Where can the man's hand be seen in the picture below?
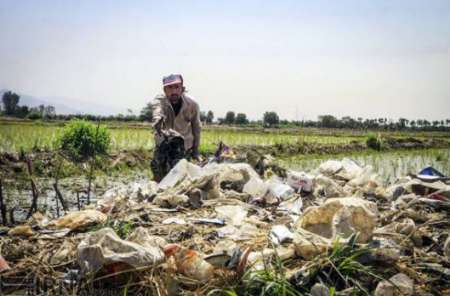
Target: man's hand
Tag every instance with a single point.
(195, 154)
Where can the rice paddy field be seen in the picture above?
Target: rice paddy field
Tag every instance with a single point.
(15, 136)
(388, 165)
(26, 136)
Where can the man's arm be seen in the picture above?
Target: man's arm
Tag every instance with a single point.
(196, 129)
(158, 116)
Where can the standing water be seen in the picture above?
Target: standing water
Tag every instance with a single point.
(389, 165)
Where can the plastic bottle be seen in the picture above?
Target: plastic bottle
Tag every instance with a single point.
(189, 262)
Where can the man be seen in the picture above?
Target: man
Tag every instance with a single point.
(174, 114)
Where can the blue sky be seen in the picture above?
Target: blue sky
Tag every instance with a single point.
(299, 58)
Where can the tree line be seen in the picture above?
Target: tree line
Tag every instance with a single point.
(271, 119)
(10, 107)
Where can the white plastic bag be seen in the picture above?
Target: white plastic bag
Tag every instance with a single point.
(104, 247)
(280, 190)
(350, 169)
(300, 181)
(256, 187)
(178, 173)
(233, 215)
(330, 167)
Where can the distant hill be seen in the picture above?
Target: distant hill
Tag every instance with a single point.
(63, 105)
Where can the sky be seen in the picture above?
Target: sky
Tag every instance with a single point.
(299, 58)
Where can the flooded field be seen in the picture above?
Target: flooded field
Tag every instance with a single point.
(18, 195)
(389, 165)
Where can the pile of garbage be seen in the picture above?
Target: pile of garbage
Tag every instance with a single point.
(226, 227)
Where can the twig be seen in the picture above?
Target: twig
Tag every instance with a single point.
(57, 207)
(415, 230)
(78, 201)
(55, 186)
(2, 205)
(92, 163)
(59, 196)
(34, 191)
(12, 221)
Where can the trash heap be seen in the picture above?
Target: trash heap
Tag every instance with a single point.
(224, 227)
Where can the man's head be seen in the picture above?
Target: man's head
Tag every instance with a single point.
(173, 87)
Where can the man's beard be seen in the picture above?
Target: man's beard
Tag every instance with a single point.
(175, 98)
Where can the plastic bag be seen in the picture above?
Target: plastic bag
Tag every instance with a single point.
(300, 181)
(178, 173)
(79, 220)
(104, 247)
(280, 190)
(256, 187)
(233, 215)
(341, 217)
(330, 167)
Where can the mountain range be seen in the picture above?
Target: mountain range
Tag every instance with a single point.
(64, 105)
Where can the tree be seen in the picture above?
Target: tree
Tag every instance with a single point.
(147, 113)
(230, 118)
(202, 116)
(348, 122)
(34, 113)
(419, 122)
(328, 121)
(10, 102)
(22, 111)
(49, 112)
(270, 118)
(41, 109)
(209, 117)
(402, 122)
(241, 118)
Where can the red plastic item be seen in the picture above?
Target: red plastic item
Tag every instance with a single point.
(189, 262)
(3, 264)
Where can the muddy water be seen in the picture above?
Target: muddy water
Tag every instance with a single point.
(389, 165)
(74, 190)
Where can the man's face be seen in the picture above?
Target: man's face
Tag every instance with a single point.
(173, 92)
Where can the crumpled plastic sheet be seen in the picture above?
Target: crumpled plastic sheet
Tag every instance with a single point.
(105, 247)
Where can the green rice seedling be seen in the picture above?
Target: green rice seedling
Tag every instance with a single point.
(82, 142)
(269, 281)
(340, 268)
(43, 136)
(374, 142)
(121, 228)
(389, 165)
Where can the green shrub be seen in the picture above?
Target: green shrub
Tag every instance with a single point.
(374, 142)
(82, 140)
